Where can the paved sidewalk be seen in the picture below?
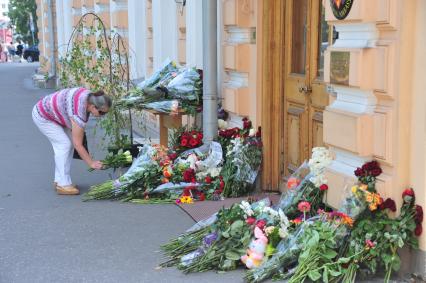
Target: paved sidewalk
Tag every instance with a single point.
(49, 238)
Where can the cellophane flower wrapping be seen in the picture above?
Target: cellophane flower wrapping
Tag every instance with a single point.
(165, 106)
(186, 85)
(167, 67)
(213, 151)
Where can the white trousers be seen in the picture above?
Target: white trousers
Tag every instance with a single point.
(60, 138)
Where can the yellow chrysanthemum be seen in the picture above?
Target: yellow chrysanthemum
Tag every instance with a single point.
(354, 189)
(363, 187)
(186, 199)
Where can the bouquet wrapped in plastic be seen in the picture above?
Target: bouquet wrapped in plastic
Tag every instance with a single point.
(168, 67)
(186, 85)
(166, 106)
(116, 189)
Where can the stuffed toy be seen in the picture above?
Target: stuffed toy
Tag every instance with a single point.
(256, 251)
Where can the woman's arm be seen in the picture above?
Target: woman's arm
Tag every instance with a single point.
(77, 140)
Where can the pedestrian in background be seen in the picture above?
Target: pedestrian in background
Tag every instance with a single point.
(62, 117)
(19, 49)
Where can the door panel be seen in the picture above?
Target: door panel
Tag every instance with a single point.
(306, 38)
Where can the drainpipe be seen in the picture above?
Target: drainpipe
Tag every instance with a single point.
(52, 73)
(210, 125)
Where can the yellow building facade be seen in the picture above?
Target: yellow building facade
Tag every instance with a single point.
(351, 79)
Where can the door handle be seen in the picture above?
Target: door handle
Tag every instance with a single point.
(305, 89)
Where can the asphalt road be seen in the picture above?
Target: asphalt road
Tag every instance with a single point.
(45, 237)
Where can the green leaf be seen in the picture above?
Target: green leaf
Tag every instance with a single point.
(330, 254)
(325, 275)
(231, 255)
(314, 275)
(343, 260)
(334, 273)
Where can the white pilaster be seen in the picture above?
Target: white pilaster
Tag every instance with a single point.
(194, 33)
(137, 34)
(165, 31)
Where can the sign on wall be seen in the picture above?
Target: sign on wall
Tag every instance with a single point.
(341, 8)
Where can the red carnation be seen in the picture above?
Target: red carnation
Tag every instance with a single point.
(419, 214)
(388, 204)
(261, 223)
(184, 141)
(250, 220)
(208, 179)
(323, 187)
(193, 142)
(419, 230)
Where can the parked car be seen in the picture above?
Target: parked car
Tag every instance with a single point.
(31, 53)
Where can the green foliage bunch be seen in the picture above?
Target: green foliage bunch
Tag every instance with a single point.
(94, 60)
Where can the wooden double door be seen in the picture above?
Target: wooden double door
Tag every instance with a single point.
(306, 38)
(295, 36)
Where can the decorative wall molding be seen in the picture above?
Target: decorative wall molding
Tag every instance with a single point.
(101, 8)
(354, 100)
(356, 35)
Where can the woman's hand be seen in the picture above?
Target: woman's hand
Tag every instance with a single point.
(96, 165)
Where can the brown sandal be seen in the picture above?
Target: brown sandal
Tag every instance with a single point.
(67, 190)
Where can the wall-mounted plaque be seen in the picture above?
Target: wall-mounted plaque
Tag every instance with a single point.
(339, 67)
(341, 8)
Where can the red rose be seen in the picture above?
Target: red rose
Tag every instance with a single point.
(388, 204)
(359, 172)
(188, 175)
(419, 230)
(184, 141)
(408, 195)
(259, 132)
(246, 124)
(208, 179)
(172, 156)
(250, 220)
(261, 224)
(186, 192)
(376, 172)
(323, 187)
(201, 197)
(419, 214)
(193, 142)
(221, 184)
(200, 136)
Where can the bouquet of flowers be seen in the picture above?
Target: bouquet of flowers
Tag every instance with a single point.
(166, 106)
(184, 139)
(145, 167)
(376, 238)
(242, 160)
(307, 183)
(187, 85)
(121, 159)
(221, 244)
(167, 68)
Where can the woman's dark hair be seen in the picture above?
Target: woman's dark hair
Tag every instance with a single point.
(99, 99)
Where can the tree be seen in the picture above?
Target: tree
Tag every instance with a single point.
(20, 12)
